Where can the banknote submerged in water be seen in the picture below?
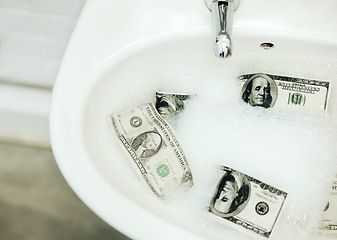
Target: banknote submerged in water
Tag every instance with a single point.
(329, 219)
(169, 105)
(246, 203)
(286, 93)
(153, 148)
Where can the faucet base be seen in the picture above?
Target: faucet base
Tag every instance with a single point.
(210, 2)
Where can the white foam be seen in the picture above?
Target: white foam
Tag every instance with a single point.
(294, 152)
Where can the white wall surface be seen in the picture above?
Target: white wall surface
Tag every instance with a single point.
(33, 37)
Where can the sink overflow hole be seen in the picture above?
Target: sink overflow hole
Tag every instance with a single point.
(267, 45)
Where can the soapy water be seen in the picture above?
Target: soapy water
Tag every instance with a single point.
(293, 151)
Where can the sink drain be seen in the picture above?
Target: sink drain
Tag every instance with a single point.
(267, 45)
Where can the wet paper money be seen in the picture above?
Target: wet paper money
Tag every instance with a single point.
(153, 148)
(286, 93)
(329, 218)
(169, 105)
(245, 203)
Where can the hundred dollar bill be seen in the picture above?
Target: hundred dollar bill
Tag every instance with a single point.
(170, 104)
(266, 90)
(246, 203)
(329, 218)
(153, 148)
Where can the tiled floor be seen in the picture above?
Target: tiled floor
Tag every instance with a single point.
(37, 204)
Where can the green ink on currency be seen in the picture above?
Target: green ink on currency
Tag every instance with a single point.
(297, 98)
(163, 170)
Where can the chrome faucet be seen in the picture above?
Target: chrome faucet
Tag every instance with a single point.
(222, 11)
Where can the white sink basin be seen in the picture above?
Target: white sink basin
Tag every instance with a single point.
(122, 52)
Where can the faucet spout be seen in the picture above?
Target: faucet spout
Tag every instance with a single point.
(223, 45)
(222, 11)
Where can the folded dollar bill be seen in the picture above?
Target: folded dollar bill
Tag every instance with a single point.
(170, 104)
(153, 148)
(266, 90)
(329, 218)
(246, 203)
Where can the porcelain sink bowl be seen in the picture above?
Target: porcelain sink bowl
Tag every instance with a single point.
(118, 47)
